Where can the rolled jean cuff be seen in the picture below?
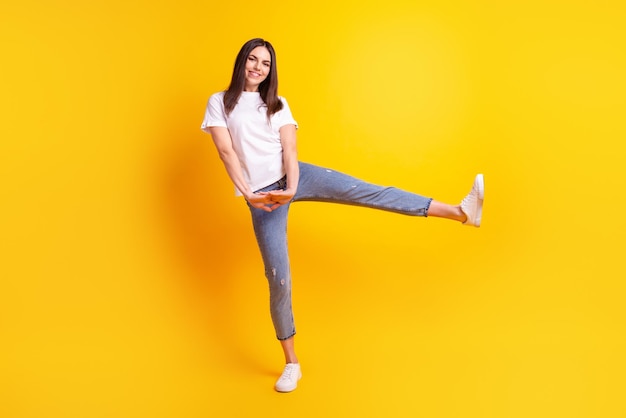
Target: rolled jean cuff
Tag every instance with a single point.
(286, 338)
(430, 200)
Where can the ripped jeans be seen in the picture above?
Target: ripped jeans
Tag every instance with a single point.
(321, 185)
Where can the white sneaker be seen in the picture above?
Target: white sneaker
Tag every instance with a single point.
(288, 381)
(472, 204)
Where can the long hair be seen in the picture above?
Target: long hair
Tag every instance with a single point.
(268, 88)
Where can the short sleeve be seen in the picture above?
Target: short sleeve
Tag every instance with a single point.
(214, 115)
(284, 115)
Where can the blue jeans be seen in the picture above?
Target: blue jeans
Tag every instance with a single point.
(321, 185)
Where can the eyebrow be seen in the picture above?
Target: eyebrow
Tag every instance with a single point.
(267, 61)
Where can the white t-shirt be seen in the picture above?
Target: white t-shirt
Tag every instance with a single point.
(256, 142)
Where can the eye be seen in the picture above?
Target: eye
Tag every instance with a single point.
(267, 64)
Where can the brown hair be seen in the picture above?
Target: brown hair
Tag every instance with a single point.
(268, 88)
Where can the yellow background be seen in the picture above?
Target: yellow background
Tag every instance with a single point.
(131, 285)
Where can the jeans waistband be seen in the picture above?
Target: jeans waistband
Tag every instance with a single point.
(280, 184)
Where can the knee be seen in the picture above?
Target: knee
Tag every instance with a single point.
(279, 281)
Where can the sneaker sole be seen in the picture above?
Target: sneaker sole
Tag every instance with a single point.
(479, 183)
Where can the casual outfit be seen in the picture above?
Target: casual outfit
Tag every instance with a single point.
(257, 144)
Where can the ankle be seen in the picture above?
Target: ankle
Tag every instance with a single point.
(460, 215)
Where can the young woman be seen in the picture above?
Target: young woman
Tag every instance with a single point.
(255, 135)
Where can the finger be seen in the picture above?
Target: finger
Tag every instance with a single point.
(262, 206)
(277, 193)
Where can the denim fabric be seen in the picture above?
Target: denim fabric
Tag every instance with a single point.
(322, 185)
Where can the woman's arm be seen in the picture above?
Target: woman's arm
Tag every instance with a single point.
(224, 144)
(290, 161)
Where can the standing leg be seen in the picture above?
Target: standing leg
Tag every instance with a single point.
(270, 229)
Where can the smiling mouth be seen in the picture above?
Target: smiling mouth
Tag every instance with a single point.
(254, 74)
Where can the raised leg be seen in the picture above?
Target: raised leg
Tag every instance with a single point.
(326, 185)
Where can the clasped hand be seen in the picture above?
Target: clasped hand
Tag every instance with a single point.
(269, 201)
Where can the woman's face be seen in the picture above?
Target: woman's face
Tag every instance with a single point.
(258, 66)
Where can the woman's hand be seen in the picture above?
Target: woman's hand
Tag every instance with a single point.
(268, 201)
(281, 197)
(260, 200)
